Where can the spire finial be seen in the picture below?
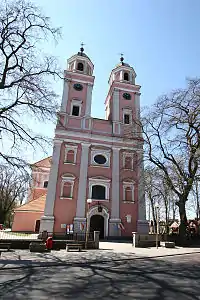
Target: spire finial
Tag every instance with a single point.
(82, 49)
(122, 57)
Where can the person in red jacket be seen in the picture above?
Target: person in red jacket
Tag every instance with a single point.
(49, 243)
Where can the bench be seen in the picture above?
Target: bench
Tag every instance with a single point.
(74, 247)
(4, 246)
(169, 245)
(148, 243)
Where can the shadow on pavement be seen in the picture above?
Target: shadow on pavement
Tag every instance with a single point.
(175, 277)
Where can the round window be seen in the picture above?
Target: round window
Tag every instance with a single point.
(100, 159)
(78, 87)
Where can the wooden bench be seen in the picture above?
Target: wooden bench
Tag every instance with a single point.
(74, 247)
(169, 245)
(4, 246)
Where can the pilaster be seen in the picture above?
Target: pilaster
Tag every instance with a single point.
(47, 221)
(80, 210)
(115, 184)
(65, 96)
(88, 100)
(115, 105)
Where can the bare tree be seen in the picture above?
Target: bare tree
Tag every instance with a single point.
(27, 77)
(13, 189)
(152, 194)
(171, 130)
(157, 191)
(195, 203)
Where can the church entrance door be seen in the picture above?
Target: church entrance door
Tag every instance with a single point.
(97, 224)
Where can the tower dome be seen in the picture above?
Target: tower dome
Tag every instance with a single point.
(80, 63)
(123, 72)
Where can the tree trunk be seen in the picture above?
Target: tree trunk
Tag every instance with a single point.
(197, 199)
(154, 217)
(183, 219)
(2, 217)
(166, 216)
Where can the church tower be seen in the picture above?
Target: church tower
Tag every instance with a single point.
(123, 100)
(78, 85)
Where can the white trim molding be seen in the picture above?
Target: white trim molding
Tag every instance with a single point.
(70, 148)
(115, 105)
(101, 139)
(99, 181)
(88, 100)
(67, 178)
(76, 102)
(47, 221)
(103, 152)
(65, 97)
(124, 156)
(128, 184)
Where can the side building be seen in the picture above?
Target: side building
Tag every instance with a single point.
(27, 216)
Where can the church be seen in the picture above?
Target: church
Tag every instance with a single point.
(96, 172)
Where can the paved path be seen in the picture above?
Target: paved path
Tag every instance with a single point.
(130, 274)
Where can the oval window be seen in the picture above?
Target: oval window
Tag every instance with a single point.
(100, 159)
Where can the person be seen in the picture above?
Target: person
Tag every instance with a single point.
(49, 243)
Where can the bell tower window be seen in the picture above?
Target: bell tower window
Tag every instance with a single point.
(126, 119)
(75, 110)
(126, 76)
(80, 66)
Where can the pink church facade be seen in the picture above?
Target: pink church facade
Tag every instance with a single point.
(97, 159)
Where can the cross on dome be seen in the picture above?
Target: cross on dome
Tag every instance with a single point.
(82, 49)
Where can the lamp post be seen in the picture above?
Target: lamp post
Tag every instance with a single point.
(157, 224)
(89, 201)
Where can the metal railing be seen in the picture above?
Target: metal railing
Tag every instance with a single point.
(9, 235)
(72, 236)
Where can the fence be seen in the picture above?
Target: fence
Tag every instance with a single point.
(9, 235)
(71, 236)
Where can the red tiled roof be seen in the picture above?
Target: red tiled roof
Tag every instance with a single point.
(46, 162)
(34, 205)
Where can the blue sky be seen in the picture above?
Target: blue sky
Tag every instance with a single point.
(159, 38)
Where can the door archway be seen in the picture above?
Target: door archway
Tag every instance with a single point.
(93, 211)
(97, 224)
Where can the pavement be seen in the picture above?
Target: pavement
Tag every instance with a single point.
(115, 271)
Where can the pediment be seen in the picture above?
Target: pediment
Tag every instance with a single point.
(129, 180)
(99, 177)
(67, 175)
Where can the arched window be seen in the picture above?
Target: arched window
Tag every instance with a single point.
(67, 190)
(98, 192)
(45, 184)
(126, 76)
(128, 162)
(80, 66)
(128, 194)
(70, 156)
